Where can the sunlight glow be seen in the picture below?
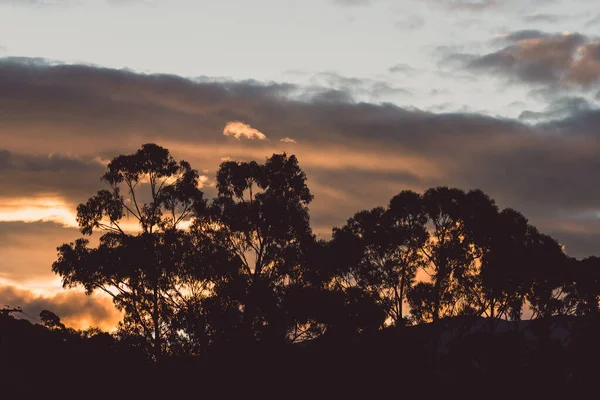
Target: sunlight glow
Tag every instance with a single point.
(43, 208)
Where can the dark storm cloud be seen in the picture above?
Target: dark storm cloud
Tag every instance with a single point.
(556, 59)
(356, 155)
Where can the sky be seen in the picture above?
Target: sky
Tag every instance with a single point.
(373, 97)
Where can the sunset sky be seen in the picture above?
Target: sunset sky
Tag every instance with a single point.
(373, 97)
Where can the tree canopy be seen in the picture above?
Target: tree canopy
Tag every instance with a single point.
(191, 273)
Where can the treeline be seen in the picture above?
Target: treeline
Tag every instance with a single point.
(192, 275)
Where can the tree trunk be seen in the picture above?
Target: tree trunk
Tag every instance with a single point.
(157, 349)
(401, 299)
(436, 299)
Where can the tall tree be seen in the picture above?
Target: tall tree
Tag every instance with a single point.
(505, 266)
(261, 216)
(385, 248)
(447, 249)
(140, 258)
(547, 275)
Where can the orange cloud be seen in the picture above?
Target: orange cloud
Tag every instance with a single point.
(42, 208)
(75, 308)
(239, 129)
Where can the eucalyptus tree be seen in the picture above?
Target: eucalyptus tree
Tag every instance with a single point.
(382, 248)
(141, 256)
(261, 216)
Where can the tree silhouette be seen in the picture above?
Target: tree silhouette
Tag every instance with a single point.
(51, 320)
(144, 272)
(582, 287)
(385, 247)
(239, 286)
(449, 253)
(505, 266)
(261, 216)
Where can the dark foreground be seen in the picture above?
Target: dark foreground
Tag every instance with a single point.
(543, 359)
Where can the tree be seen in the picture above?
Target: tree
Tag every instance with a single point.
(505, 266)
(547, 275)
(583, 286)
(142, 266)
(447, 250)
(51, 321)
(261, 216)
(384, 245)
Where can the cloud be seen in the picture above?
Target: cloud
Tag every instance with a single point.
(29, 248)
(354, 2)
(593, 22)
(535, 57)
(288, 140)
(55, 3)
(558, 109)
(239, 129)
(46, 180)
(402, 69)
(549, 18)
(42, 4)
(345, 89)
(411, 22)
(469, 5)
(33, 209)
(74, 308)
(356, 155)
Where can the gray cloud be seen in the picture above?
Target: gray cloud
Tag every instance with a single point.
(402, 69)
(358, 87)
(549, 18)
(558, 109)
(54, 173)
(541, 58)
(411, 22)
(356, 155)
(593, 22)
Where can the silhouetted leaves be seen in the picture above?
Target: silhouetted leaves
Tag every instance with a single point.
(242, 276)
